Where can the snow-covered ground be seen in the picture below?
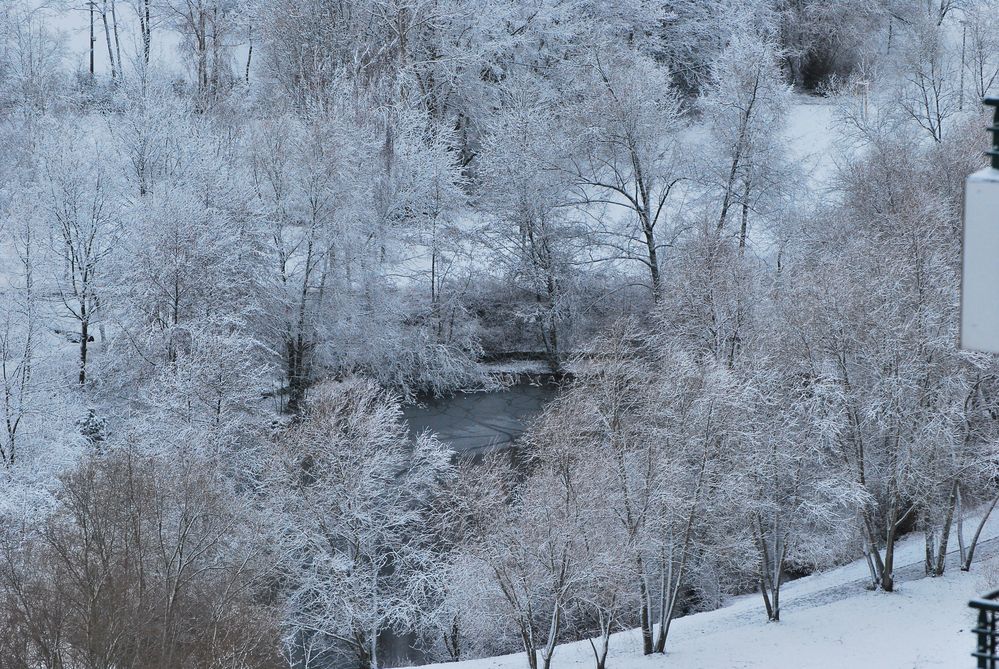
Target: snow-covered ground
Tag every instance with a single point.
(811, 137)
(829, 620)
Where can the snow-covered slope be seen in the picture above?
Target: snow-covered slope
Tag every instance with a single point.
(829, 620)
(811, 137)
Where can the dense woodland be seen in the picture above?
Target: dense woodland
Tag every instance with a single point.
(224, 270)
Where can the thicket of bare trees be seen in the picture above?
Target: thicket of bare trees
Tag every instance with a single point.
(143, 561)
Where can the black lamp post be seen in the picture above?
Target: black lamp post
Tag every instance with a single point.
(994, 129)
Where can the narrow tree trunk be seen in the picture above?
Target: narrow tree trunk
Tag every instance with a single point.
(452, 641)
(930, 551)
(765, 591)
(888, 569)
(216, 51)
(107, 38)
(93, 39)
(978, 533)
(549, 650)
(744, 226)
(676, 583)
(600, 656)
(776, 616)
(888, 576)
(249, 53)
(888, 566)
(650, 245)
(769, 580)
(727, 198)
(740, 146)
(362, 649)
(84, 335)
(780, 554)
(875, 552)
(645, 615)
(643, 207)
(147, 31)
(202, 43)
(945, 532)
(960, 528)
(870, 566)
(117, 41)
(527, 637)
(665, 586)
(551, 316)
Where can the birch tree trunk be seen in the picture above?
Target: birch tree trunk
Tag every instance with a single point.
(107, 39)
(605, 622)
(549, 650)
(117, 41)
(978, 533)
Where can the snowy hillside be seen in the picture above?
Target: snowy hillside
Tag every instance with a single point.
(829, 620)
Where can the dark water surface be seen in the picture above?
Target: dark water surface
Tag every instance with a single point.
(480, 421)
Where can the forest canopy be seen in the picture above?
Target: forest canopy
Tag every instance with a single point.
(239, 237)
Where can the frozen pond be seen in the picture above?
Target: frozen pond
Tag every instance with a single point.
(475, 422)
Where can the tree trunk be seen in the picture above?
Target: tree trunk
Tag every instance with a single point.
(202, 45)
(776, 615)
(978, 533)
(740, 146)
(870, 565)
(527, 638)
(549, 650)
(888, 569)
(147, 31)
(744, 225)
(93, 39)
(665, 586)
(888, 576)
(361, 648)
(960, 528)
(771, 570)
(645, 615)
(875, 553)
(780, 554)
(930, 550)
(673, 584)
(297, 377)
(117, 41)
(676, 583)
(452, 642)
(945, 532)
(249, 53)
(600, 656)
(84, 335)
(650, 245)
(107, 38)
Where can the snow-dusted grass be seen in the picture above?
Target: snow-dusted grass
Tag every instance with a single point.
(829, 620)
(925, 624)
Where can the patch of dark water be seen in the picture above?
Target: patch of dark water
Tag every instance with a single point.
(476, 422)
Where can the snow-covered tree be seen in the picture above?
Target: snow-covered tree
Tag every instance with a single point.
(531, 228)
(352, 491)
(85, 229)
(628, 159)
